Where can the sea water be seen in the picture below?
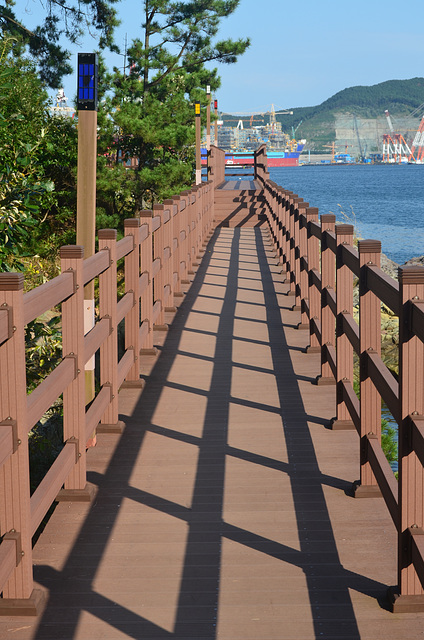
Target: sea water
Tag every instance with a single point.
(384, 201)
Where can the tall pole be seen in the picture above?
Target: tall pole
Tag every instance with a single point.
(86, 185)
(198, 152)
(208, 118)
(216, 121)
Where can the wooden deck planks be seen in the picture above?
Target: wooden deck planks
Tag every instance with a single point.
(221, 512)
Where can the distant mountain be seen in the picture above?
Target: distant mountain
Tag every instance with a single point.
(355, 109)
(399, 97)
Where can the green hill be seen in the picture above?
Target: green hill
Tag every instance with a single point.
(331, 120)
(399, 97)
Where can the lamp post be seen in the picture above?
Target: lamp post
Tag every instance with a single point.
(198, 152)
(215, 104)
(86, 184)
(208, 118)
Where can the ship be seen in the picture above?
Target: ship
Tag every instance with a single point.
(284, 158)
(240, 142)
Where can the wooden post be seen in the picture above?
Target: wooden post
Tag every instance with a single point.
(147, 347)
(370, 342)
(286, 232)
(303, 259)
(280, 226)
(109, 349)
(328, 284)
(86, 218)
(314, 296)
(191, 215)
(208, 117)
(291, 245)
(74, 396)
(344, 304)
(177, 248)
(15, 512)
(300, 206)
(132, 319)
(194, 225)
(185, 233)
(159, 278)
(272, 216)
(411, 476)
(169, 219)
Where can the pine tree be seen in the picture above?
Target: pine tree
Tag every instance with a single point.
(152, 102)
(64, 19)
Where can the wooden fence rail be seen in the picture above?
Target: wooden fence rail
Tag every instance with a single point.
(159, 249)
(321, 264)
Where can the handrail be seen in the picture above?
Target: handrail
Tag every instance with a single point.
(322, 265)
(47, 296)
(156, 255)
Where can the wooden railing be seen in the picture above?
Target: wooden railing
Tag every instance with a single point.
(321, 264)
(261, 164)
(218, 171)
(216, 165)
(160, 249)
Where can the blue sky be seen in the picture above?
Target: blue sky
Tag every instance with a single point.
(301, 53)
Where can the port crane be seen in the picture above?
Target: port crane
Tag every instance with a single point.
(331, 146)
(294, 129)
(361, 155)
(395, 147)
(417, 152)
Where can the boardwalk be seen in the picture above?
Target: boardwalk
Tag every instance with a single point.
(222, 512)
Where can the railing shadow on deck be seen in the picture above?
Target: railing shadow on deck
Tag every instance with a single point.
(207, 527)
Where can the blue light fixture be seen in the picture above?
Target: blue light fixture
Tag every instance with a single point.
(87, 81)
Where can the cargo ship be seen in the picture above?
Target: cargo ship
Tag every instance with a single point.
(240, 142)
(283, 158)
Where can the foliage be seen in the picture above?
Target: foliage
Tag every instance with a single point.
(37, 165)
(389, 441)
(64, 19)
(43, 348)
(149, 112)
(20, 186)
(44, 353)
(388, 433)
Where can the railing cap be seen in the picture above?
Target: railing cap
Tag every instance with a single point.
(312, 212)
(11, 281)
(131, 223)
(303, 205)
(328, 218)
(145, 213)
(369, 246)
(344, 229)
(411, 274)
(107, 234)
(71, 252)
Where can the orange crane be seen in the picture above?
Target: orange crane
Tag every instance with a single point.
(418, 145)
(332, 146)
(253, 119)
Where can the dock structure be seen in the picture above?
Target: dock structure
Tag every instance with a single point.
(229, 496)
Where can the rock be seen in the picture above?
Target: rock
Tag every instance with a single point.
(389, 266)
(416, 262)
